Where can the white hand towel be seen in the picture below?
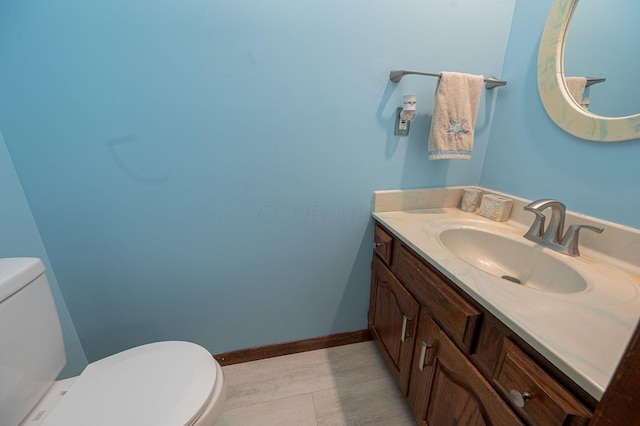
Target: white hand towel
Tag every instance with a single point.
(454, 116)
(576, 86)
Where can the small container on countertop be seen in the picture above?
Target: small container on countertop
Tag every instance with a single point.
(495, 207)
(470, 198)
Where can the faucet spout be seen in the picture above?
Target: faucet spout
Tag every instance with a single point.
(553, 232)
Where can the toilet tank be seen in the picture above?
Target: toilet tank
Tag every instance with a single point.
(31, 345)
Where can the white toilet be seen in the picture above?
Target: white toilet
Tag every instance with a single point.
(164, 383)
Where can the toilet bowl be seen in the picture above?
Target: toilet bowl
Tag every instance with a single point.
(163, 383)
(168, 383)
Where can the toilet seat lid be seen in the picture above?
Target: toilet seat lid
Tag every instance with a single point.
(163, 383)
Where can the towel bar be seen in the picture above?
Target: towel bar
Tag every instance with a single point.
(396, 75)
(594, 80)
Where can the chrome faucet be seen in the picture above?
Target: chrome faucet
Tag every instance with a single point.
(552, 237)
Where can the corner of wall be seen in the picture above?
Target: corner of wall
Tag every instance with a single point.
(19, 236)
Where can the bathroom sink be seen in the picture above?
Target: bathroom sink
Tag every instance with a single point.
(515, 262)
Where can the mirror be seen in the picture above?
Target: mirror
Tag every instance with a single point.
(555, 95)
(602, 42)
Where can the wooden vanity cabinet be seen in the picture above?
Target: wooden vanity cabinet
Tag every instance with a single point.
(455, 362)
(393, 318)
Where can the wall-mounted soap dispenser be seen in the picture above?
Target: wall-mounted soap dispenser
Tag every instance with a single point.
(404, 115)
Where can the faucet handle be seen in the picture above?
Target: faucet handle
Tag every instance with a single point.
(570, 239)
(537, 227)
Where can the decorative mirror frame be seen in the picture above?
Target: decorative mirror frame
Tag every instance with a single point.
(557, 101)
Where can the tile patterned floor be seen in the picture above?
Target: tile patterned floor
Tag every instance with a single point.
(345, 385)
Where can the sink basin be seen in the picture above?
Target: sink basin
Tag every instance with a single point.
(516, 262)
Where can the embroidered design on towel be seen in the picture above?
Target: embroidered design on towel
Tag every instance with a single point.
(457, 128)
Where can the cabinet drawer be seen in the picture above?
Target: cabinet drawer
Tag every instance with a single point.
(533, 393)
(383, 244)
(456, 316)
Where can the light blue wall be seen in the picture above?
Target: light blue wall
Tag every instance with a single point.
(204, 170)
(531, 157)
(19, 237)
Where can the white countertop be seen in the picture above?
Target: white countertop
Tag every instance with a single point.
(584, 334)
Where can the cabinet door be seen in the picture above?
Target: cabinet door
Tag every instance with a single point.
(393, 316)
(446, 389)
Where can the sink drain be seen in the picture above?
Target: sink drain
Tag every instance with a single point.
(512, 279)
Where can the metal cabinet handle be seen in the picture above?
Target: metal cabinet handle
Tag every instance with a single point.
(405, 320)
(519, 398)
(423, 355)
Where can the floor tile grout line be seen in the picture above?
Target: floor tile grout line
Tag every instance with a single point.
(315, 409)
